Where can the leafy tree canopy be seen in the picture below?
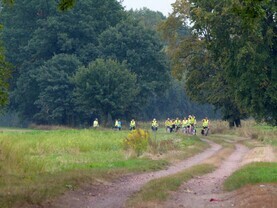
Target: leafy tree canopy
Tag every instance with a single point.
(105, 87)
(229, 59)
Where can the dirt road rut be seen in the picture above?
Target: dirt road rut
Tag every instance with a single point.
(114, 195)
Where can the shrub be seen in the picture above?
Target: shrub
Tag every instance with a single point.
(137, 140)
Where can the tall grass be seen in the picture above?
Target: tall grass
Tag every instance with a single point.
(40, 164)
(249, 129)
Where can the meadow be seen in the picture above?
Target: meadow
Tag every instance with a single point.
(38, 164)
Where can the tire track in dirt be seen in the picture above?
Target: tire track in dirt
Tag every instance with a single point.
(207, 191)
(114, 195)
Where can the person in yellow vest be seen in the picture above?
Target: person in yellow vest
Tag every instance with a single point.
(116, 124)
(119, 125)
(185, 125)
(193, 125)
(154, 125)
(167, 125)
(95, 123)
(205, 125)
(132, 125)
(177, 124)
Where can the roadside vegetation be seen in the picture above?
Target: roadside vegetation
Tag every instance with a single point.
(253, 135)
(262, 172)
(158, 190)
(39, 164)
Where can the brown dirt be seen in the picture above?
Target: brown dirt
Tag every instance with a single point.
(206, 191)
(115, 194)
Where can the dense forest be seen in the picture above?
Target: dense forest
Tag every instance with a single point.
(93, 60)
(71, 61)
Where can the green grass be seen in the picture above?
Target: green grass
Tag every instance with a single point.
(38, 164)
(158, 190)
(262, 172)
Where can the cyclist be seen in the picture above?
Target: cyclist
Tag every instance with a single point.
(185, 125)
(192, 124)
(119, 125)
(95, 123)
(177, 124)
(116, 124)
(167, 124)
(132, 125)
(154, 125)
(205, 125)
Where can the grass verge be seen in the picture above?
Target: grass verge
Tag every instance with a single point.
(158, 190)
(261, 172)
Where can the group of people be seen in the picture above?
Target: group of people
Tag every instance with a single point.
(117, 124)
(187, 125)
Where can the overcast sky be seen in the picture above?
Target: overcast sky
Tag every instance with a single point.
(163, 6)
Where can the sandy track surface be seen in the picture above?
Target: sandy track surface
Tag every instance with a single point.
(114, 195)
(206, 191)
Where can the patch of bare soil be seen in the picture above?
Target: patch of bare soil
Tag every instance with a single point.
(115, 194)
(260, 154)
(207, 190)
(256, 196)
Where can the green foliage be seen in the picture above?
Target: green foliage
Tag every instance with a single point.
(5, 71)
(147, 18)
(175, 103)
(63, 4)
(137, 140)
(55, 100)
(66, 4)
(142, 51)
(105, 87)
(38, 36)
(229, 58)
(252, 174)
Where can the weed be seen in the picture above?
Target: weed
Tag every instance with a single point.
(137, 140)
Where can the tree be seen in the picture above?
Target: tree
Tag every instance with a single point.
(105, 87)
(147, 18)
(55, 100)
(4, 76)
(35, 32)
(141, 48)
(232, 49)
(63, 4)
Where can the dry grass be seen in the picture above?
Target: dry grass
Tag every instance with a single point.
(249, 130)
(220, 156)
(219, 127)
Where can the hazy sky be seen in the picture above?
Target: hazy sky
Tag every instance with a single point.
(163, 6)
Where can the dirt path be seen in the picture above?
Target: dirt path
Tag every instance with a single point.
(115, 194)
(206, 191)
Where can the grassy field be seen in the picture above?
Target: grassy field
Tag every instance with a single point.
(251, 174)
(39, 164)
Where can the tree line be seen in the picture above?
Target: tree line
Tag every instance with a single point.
(94, 59)
(229, 57)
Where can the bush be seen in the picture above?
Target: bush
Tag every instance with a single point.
(137, 140)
